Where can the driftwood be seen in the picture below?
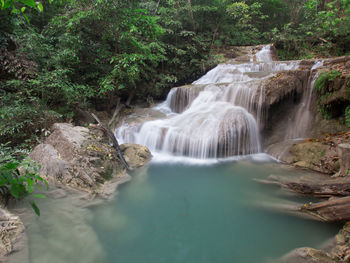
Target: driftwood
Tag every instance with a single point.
(336, 209)
(320, 188)
(110, 134)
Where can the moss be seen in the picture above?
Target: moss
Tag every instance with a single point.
(322, 84)
(347, 116)
(107, 174)
(325, 87)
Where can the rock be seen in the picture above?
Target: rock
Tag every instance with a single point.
(135, 155)
(284, 85)
(338, 251)
(312, 155)
(307, 255)
(52, 165)
(82, 158)
(12, 235)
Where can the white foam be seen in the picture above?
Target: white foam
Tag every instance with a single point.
(168, 158)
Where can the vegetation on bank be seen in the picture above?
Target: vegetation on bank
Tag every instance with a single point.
(57, 56)
(333, 92)
(19, 177)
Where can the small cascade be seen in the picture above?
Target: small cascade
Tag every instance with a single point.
(303, 118)
(216, 116)
(264, 55)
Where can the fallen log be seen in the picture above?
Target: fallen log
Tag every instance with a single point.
(320, 188)
(110, 134)
(335, 209)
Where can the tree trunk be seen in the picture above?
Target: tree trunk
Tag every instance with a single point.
(191, 14)
(113, 138)
(115, 118)
(344, 158)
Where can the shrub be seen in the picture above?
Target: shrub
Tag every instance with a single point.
(323, 81)
(23, 117)
(19, 178)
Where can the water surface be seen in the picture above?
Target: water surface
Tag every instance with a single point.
(175, 213)
(185, 213)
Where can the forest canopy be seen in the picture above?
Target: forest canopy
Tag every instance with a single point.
(60, 55)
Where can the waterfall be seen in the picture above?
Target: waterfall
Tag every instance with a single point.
(303, 118)
(216, 116)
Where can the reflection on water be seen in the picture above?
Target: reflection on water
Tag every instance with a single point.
(177, 213)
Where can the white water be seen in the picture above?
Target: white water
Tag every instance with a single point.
(218, 116)
(303, 118)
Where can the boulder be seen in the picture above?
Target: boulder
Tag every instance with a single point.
(135, 155)
(82, 158)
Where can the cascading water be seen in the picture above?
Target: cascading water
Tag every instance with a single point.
(303, 118)
(217, 116)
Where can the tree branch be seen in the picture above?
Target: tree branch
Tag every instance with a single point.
(110, 134)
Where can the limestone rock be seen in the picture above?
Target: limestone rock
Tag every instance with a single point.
(307, 255)
(12, 235)
(307, 154)
(135, 155)
(336, 252)
(78, 157)
(284, 85)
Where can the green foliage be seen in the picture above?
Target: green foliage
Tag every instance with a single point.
(322, 83)
(325, 111)
(19, 178)
(320, 29)
(22, 117)
(324, 87)
(20, 6)
(347, 116)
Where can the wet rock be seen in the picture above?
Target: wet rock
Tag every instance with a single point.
(337, 252)
(135, 155)
(12, 235)
(283, 86)
(307, 255)
(311, 155)
(78, 157)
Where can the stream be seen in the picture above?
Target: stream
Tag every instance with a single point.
(175, 212)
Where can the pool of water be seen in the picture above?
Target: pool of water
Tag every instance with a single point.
(175, 213)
